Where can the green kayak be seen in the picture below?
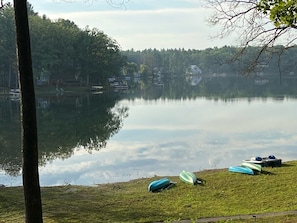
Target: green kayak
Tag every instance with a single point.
(254, 167)
(189, 178)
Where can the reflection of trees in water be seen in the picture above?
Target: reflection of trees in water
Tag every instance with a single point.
(88, 121)
(228, 88)
(105, 128)
(10, 136)
(62, 127)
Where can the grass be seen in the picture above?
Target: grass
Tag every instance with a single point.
(225, 194)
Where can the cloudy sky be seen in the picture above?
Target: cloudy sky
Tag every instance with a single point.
(140, 24)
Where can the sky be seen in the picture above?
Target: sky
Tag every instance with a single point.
(140, 24)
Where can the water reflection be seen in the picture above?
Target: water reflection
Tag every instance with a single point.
(63, 124)
(153, 131)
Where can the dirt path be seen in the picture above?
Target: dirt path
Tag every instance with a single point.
(256, 216)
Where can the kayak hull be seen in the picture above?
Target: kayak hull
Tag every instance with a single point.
(270, 161)
(253, 166)
(188, 177)
(158, 185)
(241, 169)
(266, 162)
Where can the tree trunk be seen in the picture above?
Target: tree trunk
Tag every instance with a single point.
(33, 208)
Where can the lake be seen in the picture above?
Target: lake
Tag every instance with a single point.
(160, 134)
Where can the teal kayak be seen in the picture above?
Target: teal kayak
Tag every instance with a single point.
(159, 185)
(253, 166)
(188, 177)
(241, 169)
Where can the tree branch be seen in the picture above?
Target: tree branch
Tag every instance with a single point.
(253, 27)
(118, 3)
(113, 3)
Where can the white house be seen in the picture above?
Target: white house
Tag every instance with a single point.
(194, 70)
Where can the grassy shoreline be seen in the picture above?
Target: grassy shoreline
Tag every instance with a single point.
(225, 194)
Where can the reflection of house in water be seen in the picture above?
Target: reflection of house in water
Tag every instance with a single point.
(193, 75)
(14, 94)
(96, 89)
(119, 85)
(158, 83)
(261, 81)
(158, 76)
(158, 80)
(194, 80)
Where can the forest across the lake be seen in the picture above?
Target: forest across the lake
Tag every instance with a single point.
(64, 54)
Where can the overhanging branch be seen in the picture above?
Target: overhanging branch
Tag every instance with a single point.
(252, 27)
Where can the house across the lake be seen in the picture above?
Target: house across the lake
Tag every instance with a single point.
(193, 70)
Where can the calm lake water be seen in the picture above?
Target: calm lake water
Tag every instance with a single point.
(165, 136)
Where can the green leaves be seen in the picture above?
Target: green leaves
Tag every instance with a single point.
(281, 12)
(60, 48)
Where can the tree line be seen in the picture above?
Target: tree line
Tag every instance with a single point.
(228, 59)
(61, 51)
(64, 53)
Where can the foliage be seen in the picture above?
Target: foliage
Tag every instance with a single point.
(60, 50)
(175, 62)
(225, 194)
(282, 12)
(7, 45)
(264, 23)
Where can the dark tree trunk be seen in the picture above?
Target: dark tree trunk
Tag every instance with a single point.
(33, 208)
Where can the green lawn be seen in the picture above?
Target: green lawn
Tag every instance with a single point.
(225, 194)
